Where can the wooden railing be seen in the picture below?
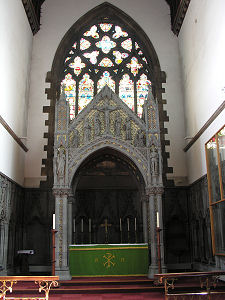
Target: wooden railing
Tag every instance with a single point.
(44, 284)
(206, 288)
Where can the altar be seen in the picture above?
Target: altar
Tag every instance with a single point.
(108, 259)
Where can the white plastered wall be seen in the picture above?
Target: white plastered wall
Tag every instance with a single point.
(15, 55)
(57, 17)
(202, 48)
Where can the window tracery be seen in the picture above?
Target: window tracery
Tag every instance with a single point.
(105, 53)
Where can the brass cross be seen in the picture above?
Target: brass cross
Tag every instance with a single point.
(106, 225)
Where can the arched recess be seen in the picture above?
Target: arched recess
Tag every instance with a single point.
(112, 146)
(108, 185)
(102, 13)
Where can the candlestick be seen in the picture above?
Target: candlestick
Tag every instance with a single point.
(89, 225)
(53, 221)
(120, 225)
(82, 225)
(135, 224)
(157, 219)
(74, 225)
(128, 224)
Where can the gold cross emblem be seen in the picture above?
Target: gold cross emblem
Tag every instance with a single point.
(109, 263)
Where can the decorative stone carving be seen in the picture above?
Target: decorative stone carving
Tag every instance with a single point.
(127, 127)
(87, 130)
(97, 124)
(107, 108)
(117, 124)
(154, 162)
(75, 139)
(61, 163)
(139, 140)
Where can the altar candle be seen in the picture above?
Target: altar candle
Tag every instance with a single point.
(120, 225)
(128, 224)
(74, 225)
(82, 225)
(53, 222)
(135, 224)
(89, 225)
(157, 219)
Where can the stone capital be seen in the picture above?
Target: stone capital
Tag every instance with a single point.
(159, 190)
(61, 192)
(150, 191)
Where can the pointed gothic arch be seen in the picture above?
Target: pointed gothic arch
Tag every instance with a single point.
(71, 140)
(102, 13)
(107, 183)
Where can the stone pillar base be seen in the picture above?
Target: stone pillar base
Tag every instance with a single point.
(164, 269)
(153, 269)
(63, 274)
(3, 272)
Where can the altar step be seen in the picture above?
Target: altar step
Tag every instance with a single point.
(107, 285)
(101, 288)
(94, 286)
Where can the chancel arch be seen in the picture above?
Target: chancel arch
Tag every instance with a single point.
(107, 121)
(108, 186)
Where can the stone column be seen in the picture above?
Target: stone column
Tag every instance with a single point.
(145, 218)
(61, 237)
(153, 267)
(159, 192)
(70, 219)
(4, 225)
(4, 229)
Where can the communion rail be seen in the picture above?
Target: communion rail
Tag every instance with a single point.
(44, 284)
(207, 282)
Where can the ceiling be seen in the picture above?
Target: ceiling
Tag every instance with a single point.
(178, 9)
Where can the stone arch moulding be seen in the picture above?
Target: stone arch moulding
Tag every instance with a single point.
(112, 144)
(102, 13)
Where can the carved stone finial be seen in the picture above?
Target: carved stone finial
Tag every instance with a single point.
(150, 94)
(63, 94)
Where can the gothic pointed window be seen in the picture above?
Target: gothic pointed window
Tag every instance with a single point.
(105, 54)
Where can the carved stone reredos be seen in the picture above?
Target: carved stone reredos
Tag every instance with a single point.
(125, 138)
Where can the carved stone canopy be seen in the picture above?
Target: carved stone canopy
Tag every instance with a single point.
(107, 122)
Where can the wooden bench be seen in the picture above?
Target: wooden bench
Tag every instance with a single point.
(44, 284)
(207, 281)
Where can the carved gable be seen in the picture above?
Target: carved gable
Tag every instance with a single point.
(108, 122)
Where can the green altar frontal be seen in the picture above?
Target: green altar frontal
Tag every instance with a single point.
(108, 260)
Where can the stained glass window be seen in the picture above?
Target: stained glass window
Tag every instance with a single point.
(70, 91)
(105, 27)
(119, 56)
(126, 91)
(127, 44)
(105, 44)
(92, 32)
(142, 92)
(118, 33)
(106, 79)
(106, 62)
(84, 44)
(134, 66)
(86, 91)
(92, 56)
(105, 53)
(77, 65)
